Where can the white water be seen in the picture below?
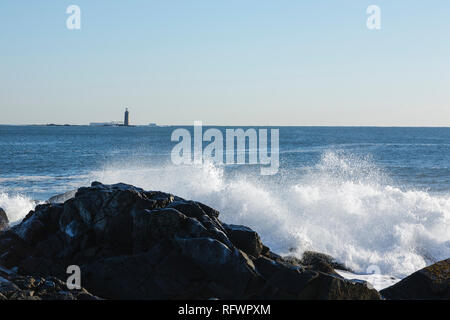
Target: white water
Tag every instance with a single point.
(378, 281)
(16, 206)
(344, 206)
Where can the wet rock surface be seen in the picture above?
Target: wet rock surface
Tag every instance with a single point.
(430, 283)
(17, 287)
(4, 222)
(321, 261)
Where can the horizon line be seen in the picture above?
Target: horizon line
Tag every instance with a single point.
(222, 125)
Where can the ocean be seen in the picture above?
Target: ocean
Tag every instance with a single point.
(369, 196)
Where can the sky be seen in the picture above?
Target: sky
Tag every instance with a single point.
(234, 62)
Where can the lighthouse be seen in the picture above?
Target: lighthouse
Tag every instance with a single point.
(126, 120)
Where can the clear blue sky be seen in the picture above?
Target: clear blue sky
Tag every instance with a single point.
(233, 62)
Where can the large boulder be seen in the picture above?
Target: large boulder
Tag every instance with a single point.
(245, 239)
(137, 244)
(286, 279)
(62, 197)
(322, 262)
(332, 287)
(430, 283)
(4, 222)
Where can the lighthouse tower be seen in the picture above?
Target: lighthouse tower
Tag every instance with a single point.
(126, 121)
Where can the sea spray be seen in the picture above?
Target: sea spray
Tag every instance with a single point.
(343, 205)
(16, 206)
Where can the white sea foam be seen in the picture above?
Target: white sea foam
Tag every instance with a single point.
(378, 281)
(344, 206)
(16, 206)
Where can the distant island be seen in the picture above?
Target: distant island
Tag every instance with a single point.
(125, 123)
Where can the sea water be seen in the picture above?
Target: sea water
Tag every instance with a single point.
(369, 196)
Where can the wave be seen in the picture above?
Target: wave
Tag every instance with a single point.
(16, 206)
(344, 205)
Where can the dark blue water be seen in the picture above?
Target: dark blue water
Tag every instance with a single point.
(367, 195)
(40, 160)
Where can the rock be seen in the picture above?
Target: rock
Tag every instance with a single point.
(322, 262)
(60, 198)
(317, 266)
(283, 281)
(232, 271)
(135, 244)
(29, 288)
(245, 239)
(4, 222)
(331, 287)
(289, 281)
(430, 283)
(121, 229)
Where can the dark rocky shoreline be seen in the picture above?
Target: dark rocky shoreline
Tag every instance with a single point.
(136, 244)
